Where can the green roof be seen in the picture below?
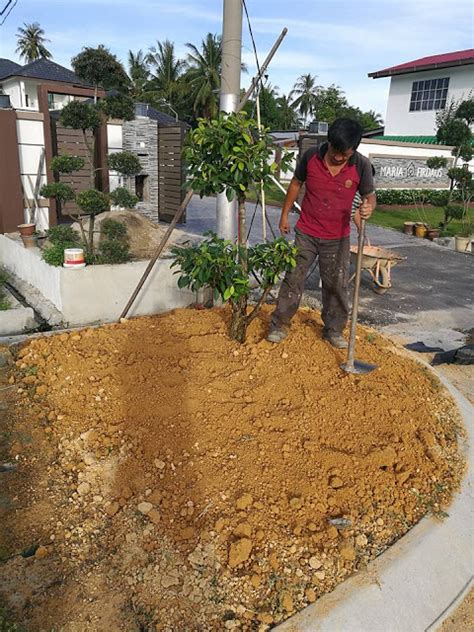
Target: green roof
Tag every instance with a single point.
(424, 140)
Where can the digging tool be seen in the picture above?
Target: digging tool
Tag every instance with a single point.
(351, 365)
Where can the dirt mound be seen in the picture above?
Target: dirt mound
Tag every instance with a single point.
(144, 234)
(198, 485)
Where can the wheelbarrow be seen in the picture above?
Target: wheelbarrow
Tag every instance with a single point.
(378, 262)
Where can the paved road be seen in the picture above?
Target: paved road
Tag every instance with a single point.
(432, 294)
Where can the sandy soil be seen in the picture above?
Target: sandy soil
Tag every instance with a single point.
(462, 619)
(175, 480)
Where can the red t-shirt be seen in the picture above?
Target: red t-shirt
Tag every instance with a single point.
(327, 203)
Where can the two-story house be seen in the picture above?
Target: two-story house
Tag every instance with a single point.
(422, 87)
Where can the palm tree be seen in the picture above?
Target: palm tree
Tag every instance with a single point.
(203, 74)
(31, 41)
(138, 73)
(287, 115)
(167, 69)
(306, 92)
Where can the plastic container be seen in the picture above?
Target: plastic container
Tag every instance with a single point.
(74, 258)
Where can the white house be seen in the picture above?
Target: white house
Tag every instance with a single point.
(420, 88)
(21, 83)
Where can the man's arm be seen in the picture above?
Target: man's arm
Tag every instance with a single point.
(290, 199)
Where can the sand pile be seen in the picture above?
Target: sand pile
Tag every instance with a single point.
(178, 481)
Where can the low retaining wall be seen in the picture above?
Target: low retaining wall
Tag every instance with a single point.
(95, 294)
(17, 319)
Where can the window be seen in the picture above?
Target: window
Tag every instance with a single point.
(141, 189)
(429, 95)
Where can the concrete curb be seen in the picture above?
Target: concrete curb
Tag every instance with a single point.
(418, 581)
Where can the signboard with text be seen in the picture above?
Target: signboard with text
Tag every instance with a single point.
(406, 172)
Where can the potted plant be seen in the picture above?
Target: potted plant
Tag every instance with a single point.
(230, 153)
(465, 236)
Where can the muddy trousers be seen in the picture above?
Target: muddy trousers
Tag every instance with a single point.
(334, 255)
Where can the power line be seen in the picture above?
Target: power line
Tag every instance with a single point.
(11, 9)
(254, 45)
(5, 7)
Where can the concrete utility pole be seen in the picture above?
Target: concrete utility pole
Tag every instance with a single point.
(229, 99)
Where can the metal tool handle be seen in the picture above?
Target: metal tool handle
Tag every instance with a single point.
(355, 299)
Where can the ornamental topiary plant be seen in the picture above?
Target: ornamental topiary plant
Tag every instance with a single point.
(230, 153)
(87, 117)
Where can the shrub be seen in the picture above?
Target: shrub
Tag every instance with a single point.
(54, 254)
(62, 192)
(113, 251)
(123, 198)
(112, 229)
(4, 302)
(405, 196)
(93, 202)
(80, 115)
(114, 248)
(63, 234)
(125, 162)
(66, 164)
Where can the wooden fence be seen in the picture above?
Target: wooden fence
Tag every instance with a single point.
(171, 172)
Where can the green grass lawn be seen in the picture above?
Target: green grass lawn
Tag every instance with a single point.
(395, 217)
(273, 197)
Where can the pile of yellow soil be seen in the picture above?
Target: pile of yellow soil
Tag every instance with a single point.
(179, 481)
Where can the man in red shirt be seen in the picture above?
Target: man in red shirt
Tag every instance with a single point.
(332, 173)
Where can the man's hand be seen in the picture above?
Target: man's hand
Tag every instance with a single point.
(284, 224)
(366, 208)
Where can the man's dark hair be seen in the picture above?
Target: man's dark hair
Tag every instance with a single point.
(345, 134)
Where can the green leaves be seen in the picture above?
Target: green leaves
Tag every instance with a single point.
(125, 162)
(80, 115)
(66, 164)
(123, 198)
(93, 202)
(229, 153)
(215, 263)
(62, 192)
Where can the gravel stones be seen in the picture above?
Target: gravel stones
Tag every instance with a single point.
(144, 507)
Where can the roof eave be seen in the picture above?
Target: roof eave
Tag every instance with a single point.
(406, 71)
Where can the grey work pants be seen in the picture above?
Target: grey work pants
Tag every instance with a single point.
(334, 255)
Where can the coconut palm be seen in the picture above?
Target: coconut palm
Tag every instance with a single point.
(203, 74)
(166, 69)
(287, 115)
(31, 40)
(306, 92)
(138, 72)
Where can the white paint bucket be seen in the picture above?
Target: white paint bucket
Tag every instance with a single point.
(74, 258)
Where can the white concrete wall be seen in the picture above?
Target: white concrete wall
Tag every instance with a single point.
(400, 121)
(12, 88)
(369, 147)
(30, 146)
(95, 294)
(114, 144)
(26, 263)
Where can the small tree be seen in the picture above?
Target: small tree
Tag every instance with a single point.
(99, 67)
(230, 154)
(454, 128)
(88, 117)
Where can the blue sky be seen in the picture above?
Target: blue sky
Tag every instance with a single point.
(340, 41)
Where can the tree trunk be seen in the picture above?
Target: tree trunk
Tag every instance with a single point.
(238, 325)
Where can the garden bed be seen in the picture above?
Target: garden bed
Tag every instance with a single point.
(97, 293)
(178, 481)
